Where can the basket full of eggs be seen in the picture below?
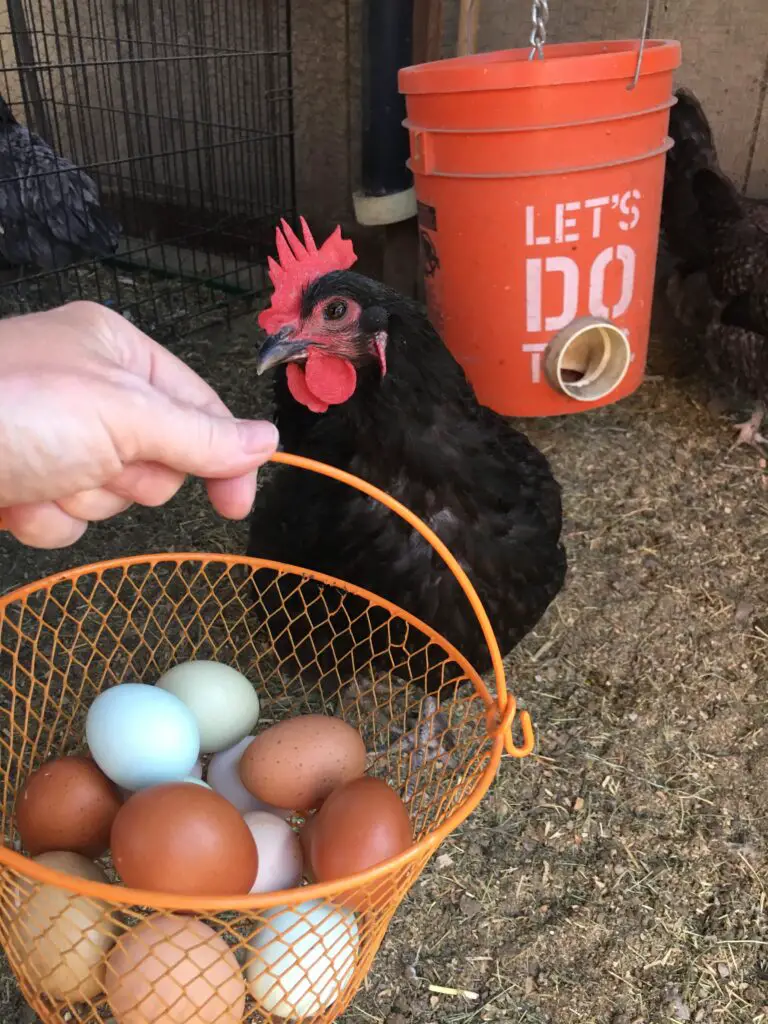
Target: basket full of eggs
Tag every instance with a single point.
(215, 792)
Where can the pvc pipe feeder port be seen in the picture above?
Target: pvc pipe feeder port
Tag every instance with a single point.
(588, 359)
(375, 211)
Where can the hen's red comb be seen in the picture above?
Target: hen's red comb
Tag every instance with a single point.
(296, 266)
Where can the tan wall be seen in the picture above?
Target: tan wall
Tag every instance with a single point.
(726, 61)
(725, 52)
(725, 58)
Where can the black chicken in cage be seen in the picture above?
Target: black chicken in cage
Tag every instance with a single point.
(49, 209)
(146, 155)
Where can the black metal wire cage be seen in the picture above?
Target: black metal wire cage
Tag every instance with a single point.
(179, 114)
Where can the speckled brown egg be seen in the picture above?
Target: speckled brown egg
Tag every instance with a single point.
(183, 839)
(360, 825)
(298, 762)
(67, 804)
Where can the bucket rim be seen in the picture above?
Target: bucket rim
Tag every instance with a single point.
(563, 64)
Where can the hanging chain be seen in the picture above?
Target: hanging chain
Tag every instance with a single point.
(539, 17)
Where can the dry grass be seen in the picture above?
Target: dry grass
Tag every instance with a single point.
(619, 875)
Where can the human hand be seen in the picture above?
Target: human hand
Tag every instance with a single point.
(96, 416)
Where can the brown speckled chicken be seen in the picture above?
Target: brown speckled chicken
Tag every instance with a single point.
(718, 240)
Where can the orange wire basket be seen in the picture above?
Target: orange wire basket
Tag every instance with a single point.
(88, 950)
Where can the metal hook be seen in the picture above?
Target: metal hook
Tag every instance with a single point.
(641, 48)
(504, 728)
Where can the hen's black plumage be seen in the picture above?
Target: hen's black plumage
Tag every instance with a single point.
(419, 434)
(49, 209)
(719, 240)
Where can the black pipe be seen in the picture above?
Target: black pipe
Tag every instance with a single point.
(387, 47)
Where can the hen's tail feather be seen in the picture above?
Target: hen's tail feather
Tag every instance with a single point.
(691, 132)
(717, 198)
(684, 231)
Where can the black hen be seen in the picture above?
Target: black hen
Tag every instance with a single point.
(412, 427)
(49, 208)
(719, 241)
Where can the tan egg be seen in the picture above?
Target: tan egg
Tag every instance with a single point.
(174, 970)
(58, 939)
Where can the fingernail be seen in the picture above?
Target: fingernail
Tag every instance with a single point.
(258, 436)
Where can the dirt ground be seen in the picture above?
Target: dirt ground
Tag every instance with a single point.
(620, 874)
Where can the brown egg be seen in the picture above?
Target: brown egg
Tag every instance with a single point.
(58, 939)
(360, 825)
(174, 970)
(183, 839)
(297, 763)
(67, 804)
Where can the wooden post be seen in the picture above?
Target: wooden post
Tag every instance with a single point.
(402, 251)
(469, 17)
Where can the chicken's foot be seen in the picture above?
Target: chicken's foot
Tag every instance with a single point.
(428, 739)
(749, 432)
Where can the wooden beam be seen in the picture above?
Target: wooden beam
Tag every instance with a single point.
(427, 31)
(469, 18)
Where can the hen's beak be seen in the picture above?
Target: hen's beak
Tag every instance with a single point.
(280, 348)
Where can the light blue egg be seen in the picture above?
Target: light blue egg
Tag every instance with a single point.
(302, 958)
(142, 736)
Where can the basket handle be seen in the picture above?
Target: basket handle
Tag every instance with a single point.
(505, 702)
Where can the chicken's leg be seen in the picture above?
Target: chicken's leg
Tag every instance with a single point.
(749, 432)
(428, 739)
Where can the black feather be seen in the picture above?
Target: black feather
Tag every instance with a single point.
(719, 239)
(420, 435)
(50, 213)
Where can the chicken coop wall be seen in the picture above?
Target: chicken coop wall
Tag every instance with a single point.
(725, 59)
(182, 113)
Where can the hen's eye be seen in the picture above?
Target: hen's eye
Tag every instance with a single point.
(335, 310)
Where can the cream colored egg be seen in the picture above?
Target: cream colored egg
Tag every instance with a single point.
(58, 939)
(281, 861)
(224, 703)
(302, 960)
(174, 970)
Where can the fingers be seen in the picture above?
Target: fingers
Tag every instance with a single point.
(233, 498)
(43, 525)
(59, 524)
(154, 428)
(94, 505)
(147, 483)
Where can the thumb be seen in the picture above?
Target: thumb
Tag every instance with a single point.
(192, 440)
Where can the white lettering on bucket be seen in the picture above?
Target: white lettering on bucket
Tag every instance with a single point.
(631, 210)
(536, 353)
(597, 306)
(531, 238)
(567, 230)
(533, 276)
(562, 222)
(596, 206)
(599, 215)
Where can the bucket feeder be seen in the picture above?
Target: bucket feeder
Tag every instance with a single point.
(539, 174)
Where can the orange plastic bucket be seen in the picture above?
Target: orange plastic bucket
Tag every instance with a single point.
(539, 185)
